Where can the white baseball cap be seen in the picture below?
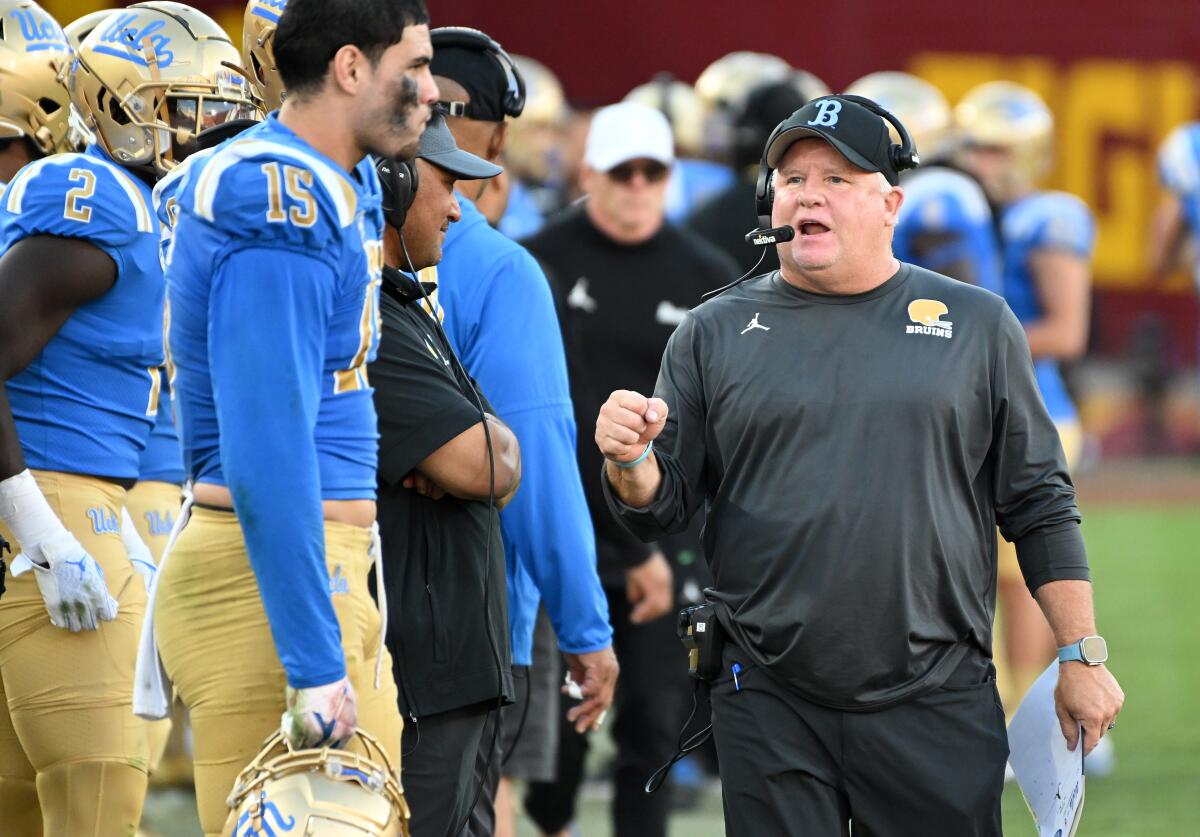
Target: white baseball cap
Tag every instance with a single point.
(628, 131)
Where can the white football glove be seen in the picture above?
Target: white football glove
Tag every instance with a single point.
(71, 581)
(323, 716)
(140, 555)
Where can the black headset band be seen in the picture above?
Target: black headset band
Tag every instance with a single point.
(465, 36)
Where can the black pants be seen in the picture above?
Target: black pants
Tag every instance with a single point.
(931, 766)
(445, 759)
(652, 692)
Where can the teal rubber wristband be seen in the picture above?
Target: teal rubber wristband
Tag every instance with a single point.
(638, 461)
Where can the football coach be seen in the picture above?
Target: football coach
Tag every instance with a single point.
(855, 427)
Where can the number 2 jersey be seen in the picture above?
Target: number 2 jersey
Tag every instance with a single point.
(87, 402)
(273, 281)
(1043, 221)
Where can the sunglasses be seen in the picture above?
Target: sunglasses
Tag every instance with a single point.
(652, 171)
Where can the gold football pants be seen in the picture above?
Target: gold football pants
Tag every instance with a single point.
(72, 754)
(216, 647)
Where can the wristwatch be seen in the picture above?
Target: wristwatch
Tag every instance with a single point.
(1091, 650)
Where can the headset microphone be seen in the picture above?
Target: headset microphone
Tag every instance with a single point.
(771, 235)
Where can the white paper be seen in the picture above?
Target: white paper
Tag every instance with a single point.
(1050, 775)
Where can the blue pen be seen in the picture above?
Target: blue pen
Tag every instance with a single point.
(737, 669)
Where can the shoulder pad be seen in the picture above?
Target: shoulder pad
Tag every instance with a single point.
(168, 189)
(1179, 159)
(262, 189)
(1055, 220)
(944, 198)
(77, 196)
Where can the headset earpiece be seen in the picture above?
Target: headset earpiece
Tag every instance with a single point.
(399, 182)
(465, 36)
(903, 156)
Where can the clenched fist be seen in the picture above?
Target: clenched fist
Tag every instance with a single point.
(628, 422)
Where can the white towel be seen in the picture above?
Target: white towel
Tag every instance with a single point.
(376, 553)
(152, 692)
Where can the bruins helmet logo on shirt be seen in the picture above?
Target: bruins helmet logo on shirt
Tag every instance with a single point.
(34, 56)
(323, 791)
(149, 78)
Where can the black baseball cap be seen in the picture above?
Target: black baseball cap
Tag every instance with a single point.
(855, 132)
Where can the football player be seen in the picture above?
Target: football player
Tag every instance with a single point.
(945, 222)
(1177, 220)
(1046, 239)
(81, 397)
(274, 276)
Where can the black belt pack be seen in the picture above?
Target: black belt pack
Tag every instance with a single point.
(702, 635)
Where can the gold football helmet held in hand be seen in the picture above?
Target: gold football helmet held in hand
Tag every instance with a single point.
(322, 791)
(149, 78)
(35, 57)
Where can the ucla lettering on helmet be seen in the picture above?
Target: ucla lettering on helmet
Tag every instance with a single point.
(149, 78)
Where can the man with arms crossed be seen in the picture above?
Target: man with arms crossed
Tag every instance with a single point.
(856, 428)
(263, 607)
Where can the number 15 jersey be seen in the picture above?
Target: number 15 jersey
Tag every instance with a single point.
(265, 209)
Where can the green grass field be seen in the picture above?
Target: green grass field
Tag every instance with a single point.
(1146, 568)
(1146, 565)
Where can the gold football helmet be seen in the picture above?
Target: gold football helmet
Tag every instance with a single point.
(726, 82)
(80, 28)
(916, 103)
(35, 56)
(325, 791)
(258, 50)
(1004, 114)
(79, 135)
(680, 104)
(534, 149)
(152, 76)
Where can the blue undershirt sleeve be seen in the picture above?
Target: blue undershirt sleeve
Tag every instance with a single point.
(267, 316)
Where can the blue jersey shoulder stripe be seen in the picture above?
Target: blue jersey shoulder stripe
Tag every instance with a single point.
(15, 196)
(335, 184)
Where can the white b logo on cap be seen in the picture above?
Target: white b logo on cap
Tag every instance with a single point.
(828, 113)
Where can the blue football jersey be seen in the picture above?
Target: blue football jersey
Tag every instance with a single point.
(87, 402)
(1043, 221)
(273, 282)
(1179, 170)
(227, 204)
(942, 202)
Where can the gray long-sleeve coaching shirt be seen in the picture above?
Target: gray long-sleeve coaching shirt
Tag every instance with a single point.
(855, 454)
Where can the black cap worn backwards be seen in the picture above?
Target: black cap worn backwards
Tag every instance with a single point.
(480, 74)
(854, 131)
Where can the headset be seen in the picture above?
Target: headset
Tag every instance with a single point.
(399, 181)
(465, 36)
(902, 157)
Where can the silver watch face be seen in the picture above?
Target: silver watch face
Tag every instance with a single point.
(1094, 649)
